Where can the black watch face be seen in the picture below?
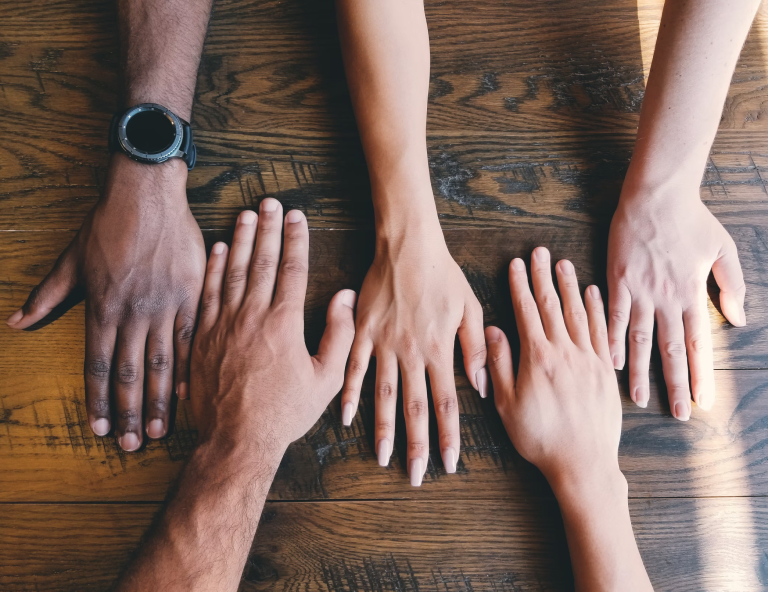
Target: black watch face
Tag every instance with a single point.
(150, 131)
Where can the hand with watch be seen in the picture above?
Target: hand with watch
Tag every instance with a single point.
(140, 259)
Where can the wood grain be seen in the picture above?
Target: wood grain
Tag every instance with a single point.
(49, 453)
(526, 121)
(431, 546)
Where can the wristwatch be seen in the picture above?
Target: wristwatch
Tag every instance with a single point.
(152, 134)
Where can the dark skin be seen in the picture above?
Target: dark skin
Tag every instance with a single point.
(139, 256)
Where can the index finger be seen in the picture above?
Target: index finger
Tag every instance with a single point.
(526, 312)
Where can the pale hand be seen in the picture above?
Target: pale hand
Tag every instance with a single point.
(660, 253)
(413, 302)
(563, 413)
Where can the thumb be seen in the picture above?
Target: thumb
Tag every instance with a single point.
(51, 291)
(727, 272)
(472, 340)
(500, 364)
(337, 340)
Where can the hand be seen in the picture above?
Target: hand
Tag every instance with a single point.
(253, 380)
(660, 252)
(140, 258)
(412, 303)
(564, 412)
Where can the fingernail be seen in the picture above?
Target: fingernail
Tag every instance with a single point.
(682, 411)
(100, 427)
(129, 441)
(566, 267)
(518, 264)
(481, 378)
(347, 414)
(383, 452)
(594, 292)
(705, 400)
(540, 253)
(348, 298)
(416, 472)
(641, 397)
(218, 249)
(294, 216)
(247, 217)
(269, 205)
(15, 317)
(156, 428)
(182, 390)
(449, 460)
(618, 361)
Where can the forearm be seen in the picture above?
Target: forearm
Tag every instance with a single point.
(601, 542)
(203, 539)
(695, 56)
(161, 43)
(386, 55)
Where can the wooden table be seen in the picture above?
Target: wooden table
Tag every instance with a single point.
(532, 117)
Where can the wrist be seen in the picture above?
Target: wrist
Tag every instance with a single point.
(239, 457)
(159, 184)
(590, 492)
(646, 183)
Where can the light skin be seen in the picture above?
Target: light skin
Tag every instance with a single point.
(663, 240)
(255, 389)
(415, 298)
(139, 256)
(563, 414)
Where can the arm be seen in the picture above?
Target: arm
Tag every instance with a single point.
(663, 240)
(139, 255)
(415, 298)
(572, 436)
(255, 389)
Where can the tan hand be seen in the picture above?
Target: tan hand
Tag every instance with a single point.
(413, 302)
(660, 254)
(252, 377)
(563, 413)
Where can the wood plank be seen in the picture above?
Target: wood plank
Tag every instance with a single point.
(526, 120)
(509, 546)
(49, 454)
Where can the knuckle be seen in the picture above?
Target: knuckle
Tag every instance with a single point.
(98, 368)
(618, 315)
(236, 276)
(129, 417)
(416, 409)
(675, 349)
(355, 368)
(264, 263)
(417, 448)
(578, 315)
(384, 426)
(293, 267)
(640, 337)
(159, 362)
(446, 405)
(127, 373)
(478, 354)
(386, 391)
(698, 344)
(527, 306)
(99, 406)
(549, 302)
(186, 332)
(210, 301)
(157, 406)
(540, 356)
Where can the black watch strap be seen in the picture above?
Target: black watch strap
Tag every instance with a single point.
(187, 147)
